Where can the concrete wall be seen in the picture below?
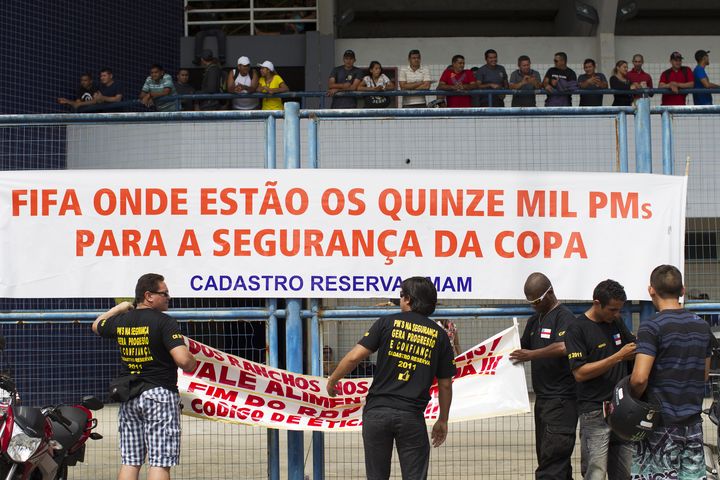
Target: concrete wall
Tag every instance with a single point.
(562, 144)
(437, 52)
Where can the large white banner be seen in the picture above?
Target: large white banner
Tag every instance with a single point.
(231, 389)
(334, 233)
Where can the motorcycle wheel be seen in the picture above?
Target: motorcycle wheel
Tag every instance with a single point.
(4, 469)
(711, 462)
(62, 472)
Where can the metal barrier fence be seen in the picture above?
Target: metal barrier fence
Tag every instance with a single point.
(50, 350)
(243, 18)
(60, 361)
(435, 97)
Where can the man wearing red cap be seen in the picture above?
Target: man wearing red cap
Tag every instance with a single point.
(674, 78)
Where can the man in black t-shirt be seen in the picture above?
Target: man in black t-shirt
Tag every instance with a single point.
(84, 95)
(110, 92)
(554, 385)
(559, 78)
(151, 349)
(412, 351)
(598, 348)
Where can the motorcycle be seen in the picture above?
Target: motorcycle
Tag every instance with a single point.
(41, 443)
(712, 455)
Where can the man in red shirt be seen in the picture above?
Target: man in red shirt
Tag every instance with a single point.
(638, 77)
(674, 78)
(456, 78)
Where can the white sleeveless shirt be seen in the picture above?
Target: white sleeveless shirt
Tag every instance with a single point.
(244, 103)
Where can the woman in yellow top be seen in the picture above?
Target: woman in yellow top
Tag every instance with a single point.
(271, 82)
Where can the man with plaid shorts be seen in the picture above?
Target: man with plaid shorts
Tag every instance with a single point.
(151, 348)
(671, 368)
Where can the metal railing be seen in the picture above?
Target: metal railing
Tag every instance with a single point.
(300, 96)
(201, 13)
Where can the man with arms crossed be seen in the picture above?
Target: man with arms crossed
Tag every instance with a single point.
(151, 347)
(671, 368)
(554, 385)
(398, 396)
(597, 348)
(344, 78)
(414, 77)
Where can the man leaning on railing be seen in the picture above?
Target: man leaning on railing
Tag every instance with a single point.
(675, 78)
(158, 85)
(414, 77)
(524, 78)
(702, 58)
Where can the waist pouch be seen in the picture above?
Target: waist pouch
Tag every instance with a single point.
(126, 387)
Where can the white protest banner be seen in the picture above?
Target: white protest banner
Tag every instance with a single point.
(231, 389)
(334, 233)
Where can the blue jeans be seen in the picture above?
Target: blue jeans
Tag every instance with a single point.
(381, 427)
(601, 451)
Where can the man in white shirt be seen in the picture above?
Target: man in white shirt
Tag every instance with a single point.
(414, 77)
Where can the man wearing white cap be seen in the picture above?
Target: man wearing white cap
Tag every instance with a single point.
(243, 80)
(270, 82)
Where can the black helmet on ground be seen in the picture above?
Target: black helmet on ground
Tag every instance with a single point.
(629, 418)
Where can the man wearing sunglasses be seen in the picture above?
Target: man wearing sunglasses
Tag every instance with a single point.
(151, 349)
(559, 78)
(554, 386)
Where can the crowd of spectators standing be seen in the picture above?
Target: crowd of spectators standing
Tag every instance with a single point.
(558, 83)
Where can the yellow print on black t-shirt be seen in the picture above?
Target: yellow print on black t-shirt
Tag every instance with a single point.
(412, 344)
(134, 349)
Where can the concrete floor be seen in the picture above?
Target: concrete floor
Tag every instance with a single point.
(493, 449)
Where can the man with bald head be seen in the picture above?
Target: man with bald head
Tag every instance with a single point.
(555, 406)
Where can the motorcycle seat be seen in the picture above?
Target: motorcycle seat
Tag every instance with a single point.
(68, 435)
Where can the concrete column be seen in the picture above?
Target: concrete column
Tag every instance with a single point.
(319, 58)
(606, 53)
(607, 14)
(326, 17)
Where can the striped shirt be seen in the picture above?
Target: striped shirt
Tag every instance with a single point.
(151, 86)
(680, 342)
(407, 74)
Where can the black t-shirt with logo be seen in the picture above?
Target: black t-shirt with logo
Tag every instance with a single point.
(85, 94)
(412, 351)
(145, 337)
(587, 342)
(566, 74)
(551, 377)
